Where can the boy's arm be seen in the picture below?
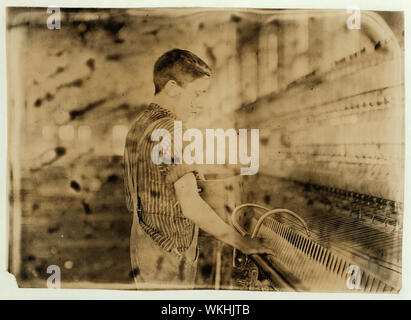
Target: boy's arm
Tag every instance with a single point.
(198, 211)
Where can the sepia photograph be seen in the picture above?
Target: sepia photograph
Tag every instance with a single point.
(195, 148)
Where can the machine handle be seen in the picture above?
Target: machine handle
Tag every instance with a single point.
(243, 232)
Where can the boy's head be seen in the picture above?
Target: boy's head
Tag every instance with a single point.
(183, 77)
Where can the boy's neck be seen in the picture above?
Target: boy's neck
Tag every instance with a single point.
(164, 102)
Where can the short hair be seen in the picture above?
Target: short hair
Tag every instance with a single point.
(179, 65)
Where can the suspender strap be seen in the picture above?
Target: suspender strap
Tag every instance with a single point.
(132, 180)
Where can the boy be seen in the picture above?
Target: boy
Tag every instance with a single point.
(164, 197)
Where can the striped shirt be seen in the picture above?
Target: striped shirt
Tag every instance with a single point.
(160, 215)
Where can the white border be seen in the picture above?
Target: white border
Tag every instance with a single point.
(7, 292)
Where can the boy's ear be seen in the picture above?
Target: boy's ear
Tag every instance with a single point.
(172, 88)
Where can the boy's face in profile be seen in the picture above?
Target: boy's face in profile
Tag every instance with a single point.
(191, 98)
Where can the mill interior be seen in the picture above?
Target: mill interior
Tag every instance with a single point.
(328, 101)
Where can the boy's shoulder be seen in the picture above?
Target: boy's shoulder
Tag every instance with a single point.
(152, 118)
(148, 117)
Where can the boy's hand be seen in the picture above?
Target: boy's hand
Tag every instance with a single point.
(257, 246)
